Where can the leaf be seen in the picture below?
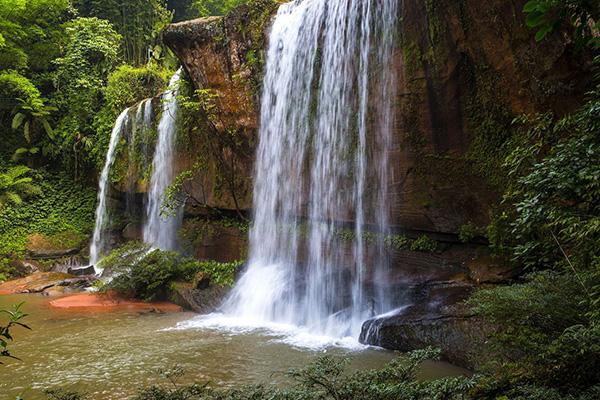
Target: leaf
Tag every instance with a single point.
(531, 6)
(18, 120)
(48, 128)
(542, 33)
(26, 132)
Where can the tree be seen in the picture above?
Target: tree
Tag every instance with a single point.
(139, 23)
(15, 185)
(91, 53)
(206, 8)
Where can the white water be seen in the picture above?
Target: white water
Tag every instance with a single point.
(326, 121)
(100, 238)
(161, 231)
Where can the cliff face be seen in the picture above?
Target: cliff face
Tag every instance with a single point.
(223, 57)
(466, 69)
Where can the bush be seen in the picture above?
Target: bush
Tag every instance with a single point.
(127, 85)
(147, 274)
(424, 244)
(544, 331)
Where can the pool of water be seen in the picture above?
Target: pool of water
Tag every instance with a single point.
(110, 355)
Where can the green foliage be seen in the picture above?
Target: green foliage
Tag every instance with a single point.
(206, 8)
(552, 204)
(63, 206)
(14, 318)
(327, 378)
(127, 85)
(424, 244)
(545, 334)
(468, 232)
(15, 184)
(147, 275)
(60, 394)
(30, 32)
(6, 270)
(90, 55)
(580, 17)
(138, 22)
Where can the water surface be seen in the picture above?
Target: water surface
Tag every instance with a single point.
(110, 355)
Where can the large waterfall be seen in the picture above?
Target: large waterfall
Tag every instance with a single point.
(161, 231)
(99, 243)
(326, 121)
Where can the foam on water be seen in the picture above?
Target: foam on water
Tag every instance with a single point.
(289, 334)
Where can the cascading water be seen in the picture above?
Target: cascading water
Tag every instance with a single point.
(326, 121)
(160, 231)
(99, 243)
(137, 138)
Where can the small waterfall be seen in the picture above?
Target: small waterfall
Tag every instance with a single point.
(100, 238)
(326, 122)
(161, 231)
(137, 140)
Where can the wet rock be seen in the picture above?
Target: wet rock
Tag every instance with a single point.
(133, 231)
(201, 281)
(460, 335)
(34, 283)
(46, 254)
(81, 271)
(202, 301)
(42, 281)
(436, 316)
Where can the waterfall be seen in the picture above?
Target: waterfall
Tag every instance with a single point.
(326, 122)
(100, 238)
(160, 231)
(141, 124)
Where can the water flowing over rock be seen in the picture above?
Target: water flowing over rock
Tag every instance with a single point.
(100, 238)
(161, 231)
(326, 121)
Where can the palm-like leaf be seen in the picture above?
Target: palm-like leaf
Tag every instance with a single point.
(15, 184)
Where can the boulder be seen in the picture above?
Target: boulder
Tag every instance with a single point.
(202, 301)
(460, 335)
(81, 271)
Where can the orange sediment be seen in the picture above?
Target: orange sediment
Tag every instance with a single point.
(108, 302)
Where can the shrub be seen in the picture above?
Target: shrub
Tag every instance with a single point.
(147, 274)
(424, 244)
(544, 331)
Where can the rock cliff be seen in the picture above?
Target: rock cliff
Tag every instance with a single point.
(466, 68)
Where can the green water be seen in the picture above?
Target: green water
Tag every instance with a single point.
(110, 355)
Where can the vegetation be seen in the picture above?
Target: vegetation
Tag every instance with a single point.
(15, 185)
(68, 68)
(147, 274)
(580, 17)
(205, 8)
(14, 318)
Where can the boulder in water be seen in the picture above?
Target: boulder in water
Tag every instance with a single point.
(81, 271)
